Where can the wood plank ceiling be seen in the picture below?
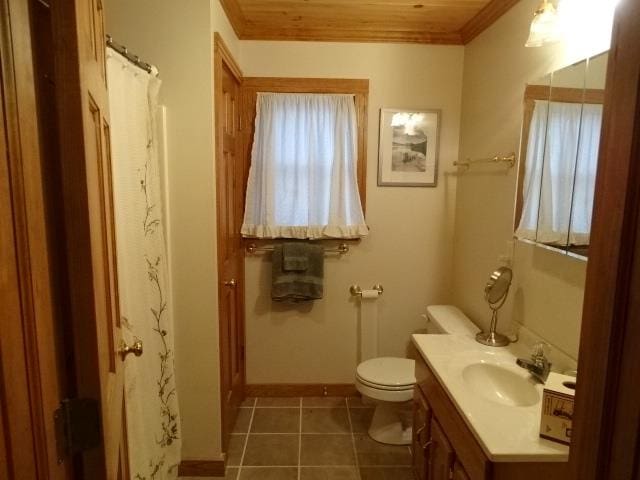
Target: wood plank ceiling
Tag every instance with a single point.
(451, 22)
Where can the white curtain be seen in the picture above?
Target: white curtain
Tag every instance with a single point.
(153, 423)
(303, 178)
(586, 168)
(562, 156)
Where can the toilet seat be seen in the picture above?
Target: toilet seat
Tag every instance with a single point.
(384, 387)
(387, 373)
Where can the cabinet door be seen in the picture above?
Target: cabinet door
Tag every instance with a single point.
(421, 434)
(459, 473)
(441, 456)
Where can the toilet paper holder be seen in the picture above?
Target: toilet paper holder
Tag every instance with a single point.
(356, 291)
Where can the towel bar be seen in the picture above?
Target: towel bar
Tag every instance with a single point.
(341, 249)
(510, 160)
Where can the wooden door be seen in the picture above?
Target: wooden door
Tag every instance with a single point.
(89, 223)
(605, 444)
(421, 435)
(458, 472)
(441, 455)
(230, 210)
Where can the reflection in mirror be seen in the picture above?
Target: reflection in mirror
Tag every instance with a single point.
(587, 159)
(559, 153)
(534, 128)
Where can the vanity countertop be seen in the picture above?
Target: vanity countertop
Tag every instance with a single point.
(506, 433)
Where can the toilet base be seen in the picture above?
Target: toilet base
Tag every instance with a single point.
(391, 423)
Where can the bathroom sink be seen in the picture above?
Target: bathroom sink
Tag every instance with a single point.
(501, 385)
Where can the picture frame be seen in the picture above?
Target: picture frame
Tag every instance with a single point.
(409, 145)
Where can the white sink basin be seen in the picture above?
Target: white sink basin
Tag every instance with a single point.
(501, 385)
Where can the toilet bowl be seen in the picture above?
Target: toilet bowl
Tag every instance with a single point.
(389, 381)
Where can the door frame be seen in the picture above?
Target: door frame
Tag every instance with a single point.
(30, 376)
(606, 441)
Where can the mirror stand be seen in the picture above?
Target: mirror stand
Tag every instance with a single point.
(495, 293)
(493, 338)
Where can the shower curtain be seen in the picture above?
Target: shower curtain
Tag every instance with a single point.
(153, 423)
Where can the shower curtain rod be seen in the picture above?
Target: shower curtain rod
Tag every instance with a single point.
(122, 50)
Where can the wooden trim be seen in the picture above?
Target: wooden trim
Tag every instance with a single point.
(301, 390)
(359, 87)
(359, 36)
(201, 468)
(307, 85)
(220, 48)
(563, 94)
(485, 18)
(606, 440)
(235, 16)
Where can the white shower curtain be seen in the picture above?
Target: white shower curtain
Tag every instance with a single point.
(153, 423)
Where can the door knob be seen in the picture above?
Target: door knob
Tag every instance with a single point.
(136, 349)
(231, 283)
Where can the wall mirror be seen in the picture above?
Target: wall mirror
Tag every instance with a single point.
(559, 156)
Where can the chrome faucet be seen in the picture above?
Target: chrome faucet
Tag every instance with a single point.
(539, 366)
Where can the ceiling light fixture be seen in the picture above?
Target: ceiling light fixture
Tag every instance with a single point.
(545, 26)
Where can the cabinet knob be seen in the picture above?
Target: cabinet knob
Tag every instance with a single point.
(230, 283)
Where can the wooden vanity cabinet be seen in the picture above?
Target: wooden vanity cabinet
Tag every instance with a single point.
(441, 454)
(459, 473)
(421, 434)
(444, 448)
(433, 455)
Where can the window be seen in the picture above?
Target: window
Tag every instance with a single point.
(303, 179)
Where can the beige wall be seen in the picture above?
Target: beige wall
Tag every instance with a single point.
(410, 246)
(179, 41)
(548, 287)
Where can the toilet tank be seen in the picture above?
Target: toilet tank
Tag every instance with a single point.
(449, 319)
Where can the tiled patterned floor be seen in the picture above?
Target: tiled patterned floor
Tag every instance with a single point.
(311, 439)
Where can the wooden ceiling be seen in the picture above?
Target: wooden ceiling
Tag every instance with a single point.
(451, 22)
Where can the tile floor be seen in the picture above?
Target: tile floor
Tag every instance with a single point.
(311, 439)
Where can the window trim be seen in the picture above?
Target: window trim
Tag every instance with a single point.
(357, 87)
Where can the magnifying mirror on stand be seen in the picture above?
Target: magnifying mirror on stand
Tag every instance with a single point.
(495, 293)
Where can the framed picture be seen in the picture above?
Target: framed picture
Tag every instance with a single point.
(408, 149)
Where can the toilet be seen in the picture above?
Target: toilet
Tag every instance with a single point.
(388, 381)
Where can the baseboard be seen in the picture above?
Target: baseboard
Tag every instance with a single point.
(202, 468)
(301, 390)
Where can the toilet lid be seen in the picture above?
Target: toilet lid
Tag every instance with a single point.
(388, 371)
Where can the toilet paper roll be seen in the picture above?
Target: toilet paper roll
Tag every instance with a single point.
(370, 293)
(368, 325)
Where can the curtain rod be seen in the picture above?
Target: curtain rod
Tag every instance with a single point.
(124, 51)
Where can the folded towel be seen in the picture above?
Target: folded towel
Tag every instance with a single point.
(298, 286)
(295, 256)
